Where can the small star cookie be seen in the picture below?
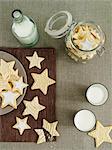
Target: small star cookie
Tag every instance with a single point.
(4, 85)
(21, 125)
(50, 127)
(33, 108)
(19, 85)
(41, 138)
(11, 65)
(35, 60)
(5, 69)
(42, 81)
(101, 134)
(9, 98)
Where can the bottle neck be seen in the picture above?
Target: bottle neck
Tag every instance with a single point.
(19, 20)
(17, 16)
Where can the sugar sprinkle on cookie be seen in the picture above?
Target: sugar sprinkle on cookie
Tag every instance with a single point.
(9, 98)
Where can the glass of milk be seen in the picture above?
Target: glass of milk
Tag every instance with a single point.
(84, 120)
(24, 29)
(97, 94)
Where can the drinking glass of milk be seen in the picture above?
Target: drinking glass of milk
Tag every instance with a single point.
(97, 94)
(24, 29)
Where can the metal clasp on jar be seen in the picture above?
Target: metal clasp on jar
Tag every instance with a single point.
(101, 51)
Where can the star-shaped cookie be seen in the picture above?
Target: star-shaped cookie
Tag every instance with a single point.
(35, 60)
(9, 98)
(4, 85)
(5, 69)
(42, 81)
(50, 127)
(41, 138)
(14, 76)
(33, 108)
(11, 66)
(19, 85)
(86, 45)
(101, 134)
(21, 125)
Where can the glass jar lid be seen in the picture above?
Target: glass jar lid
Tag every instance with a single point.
(59, 24)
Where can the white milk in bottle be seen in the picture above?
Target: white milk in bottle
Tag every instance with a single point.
(24, 29)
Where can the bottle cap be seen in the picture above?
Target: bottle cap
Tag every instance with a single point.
(16, 14)
(59, 24)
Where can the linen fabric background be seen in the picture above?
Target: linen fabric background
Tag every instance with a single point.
(72, 78)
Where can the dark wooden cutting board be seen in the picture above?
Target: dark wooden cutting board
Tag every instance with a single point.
(7, 133)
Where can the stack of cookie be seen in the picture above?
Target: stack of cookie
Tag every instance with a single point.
(11, 84)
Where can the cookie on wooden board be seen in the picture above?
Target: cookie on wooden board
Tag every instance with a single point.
(41, 138)
(33, 107)
(50, 127)
(21, 125)
(42, 81)
(35, 60)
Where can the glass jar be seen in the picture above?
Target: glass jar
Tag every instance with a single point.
(83, 40)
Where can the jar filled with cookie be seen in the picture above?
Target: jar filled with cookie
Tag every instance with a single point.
(83, 40)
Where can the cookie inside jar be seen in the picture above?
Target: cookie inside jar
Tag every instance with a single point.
(84, 41)
(86, 37)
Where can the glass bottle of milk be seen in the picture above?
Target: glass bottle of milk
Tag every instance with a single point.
(24, 29)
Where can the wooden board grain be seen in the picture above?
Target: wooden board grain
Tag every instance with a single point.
(7, 133)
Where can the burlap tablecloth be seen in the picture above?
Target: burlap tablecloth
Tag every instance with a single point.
(72, 78)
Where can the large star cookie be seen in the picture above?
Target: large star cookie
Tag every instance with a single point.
(41, 138)
(42, 81)
(101, 134)
(9, 98)
(33, 108)
(50, 127)
(21, 125)
(35, 60)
